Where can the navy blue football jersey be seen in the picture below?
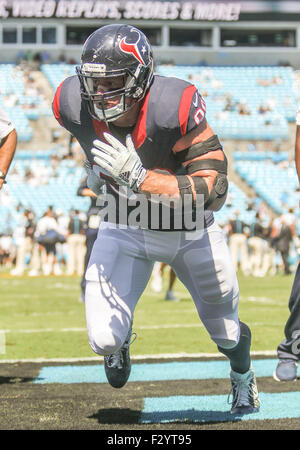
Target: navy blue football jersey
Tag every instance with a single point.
(171, 108)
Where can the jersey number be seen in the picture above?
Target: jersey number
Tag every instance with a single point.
(200, 113)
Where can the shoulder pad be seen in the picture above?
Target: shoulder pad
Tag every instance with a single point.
(67, 101)
(164, 101)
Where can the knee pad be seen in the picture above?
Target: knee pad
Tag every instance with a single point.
(227, 344)
(104, 342)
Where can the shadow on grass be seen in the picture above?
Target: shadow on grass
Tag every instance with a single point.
(15, 380)
(117, 416)
(128, 416)
(188, 416)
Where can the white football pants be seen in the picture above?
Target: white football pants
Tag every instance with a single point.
(120, 267)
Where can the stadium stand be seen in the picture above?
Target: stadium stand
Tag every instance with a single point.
(22, 99)
(233, 96)
(272, 177)
(250, 103)
(35, 184)
(235, 110)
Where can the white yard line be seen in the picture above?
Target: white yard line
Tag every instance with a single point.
(133, 357)
(77, 329)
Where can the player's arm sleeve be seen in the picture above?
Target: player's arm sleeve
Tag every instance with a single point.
(6, 125)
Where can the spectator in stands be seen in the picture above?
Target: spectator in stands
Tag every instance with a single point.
(230, 105)
(277, 79)
(237, 232)
(243, 109)
(263, 109)
(76, 241)
(28, 175)
(262, 82)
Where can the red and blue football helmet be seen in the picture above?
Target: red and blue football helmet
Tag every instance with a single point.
(115, 51)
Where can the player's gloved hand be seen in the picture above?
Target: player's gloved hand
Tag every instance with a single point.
(93, 181)
(120, 162)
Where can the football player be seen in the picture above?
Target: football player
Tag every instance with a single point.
(147, 135)
(288, 350)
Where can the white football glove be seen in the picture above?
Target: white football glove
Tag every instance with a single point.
(120, 162)
(93, 181)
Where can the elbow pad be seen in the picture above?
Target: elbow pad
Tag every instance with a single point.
(216, 198)
(218, 193)
(212, 201)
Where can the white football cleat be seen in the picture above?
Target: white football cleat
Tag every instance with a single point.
(244, 393)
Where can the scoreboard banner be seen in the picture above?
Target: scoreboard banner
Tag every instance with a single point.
(141, 10)
(145, 9)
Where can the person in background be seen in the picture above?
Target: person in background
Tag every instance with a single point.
(76, 244)
(157, 283)
(256, 243)
(283, 243)
(26, 241)
(48, 235)
(237, 234)
(288, 350)
(91, 227)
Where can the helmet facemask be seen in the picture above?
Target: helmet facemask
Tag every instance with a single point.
(132, 89)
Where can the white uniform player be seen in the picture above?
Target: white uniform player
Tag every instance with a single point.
(8, 142)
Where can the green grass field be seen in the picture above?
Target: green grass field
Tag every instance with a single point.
(42, 318)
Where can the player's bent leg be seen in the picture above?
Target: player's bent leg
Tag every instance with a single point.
(243, 382)
(206, 269)
(115, 279)
(239, 353)
(104, 336)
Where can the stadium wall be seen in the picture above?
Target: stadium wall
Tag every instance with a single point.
(257, 32)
